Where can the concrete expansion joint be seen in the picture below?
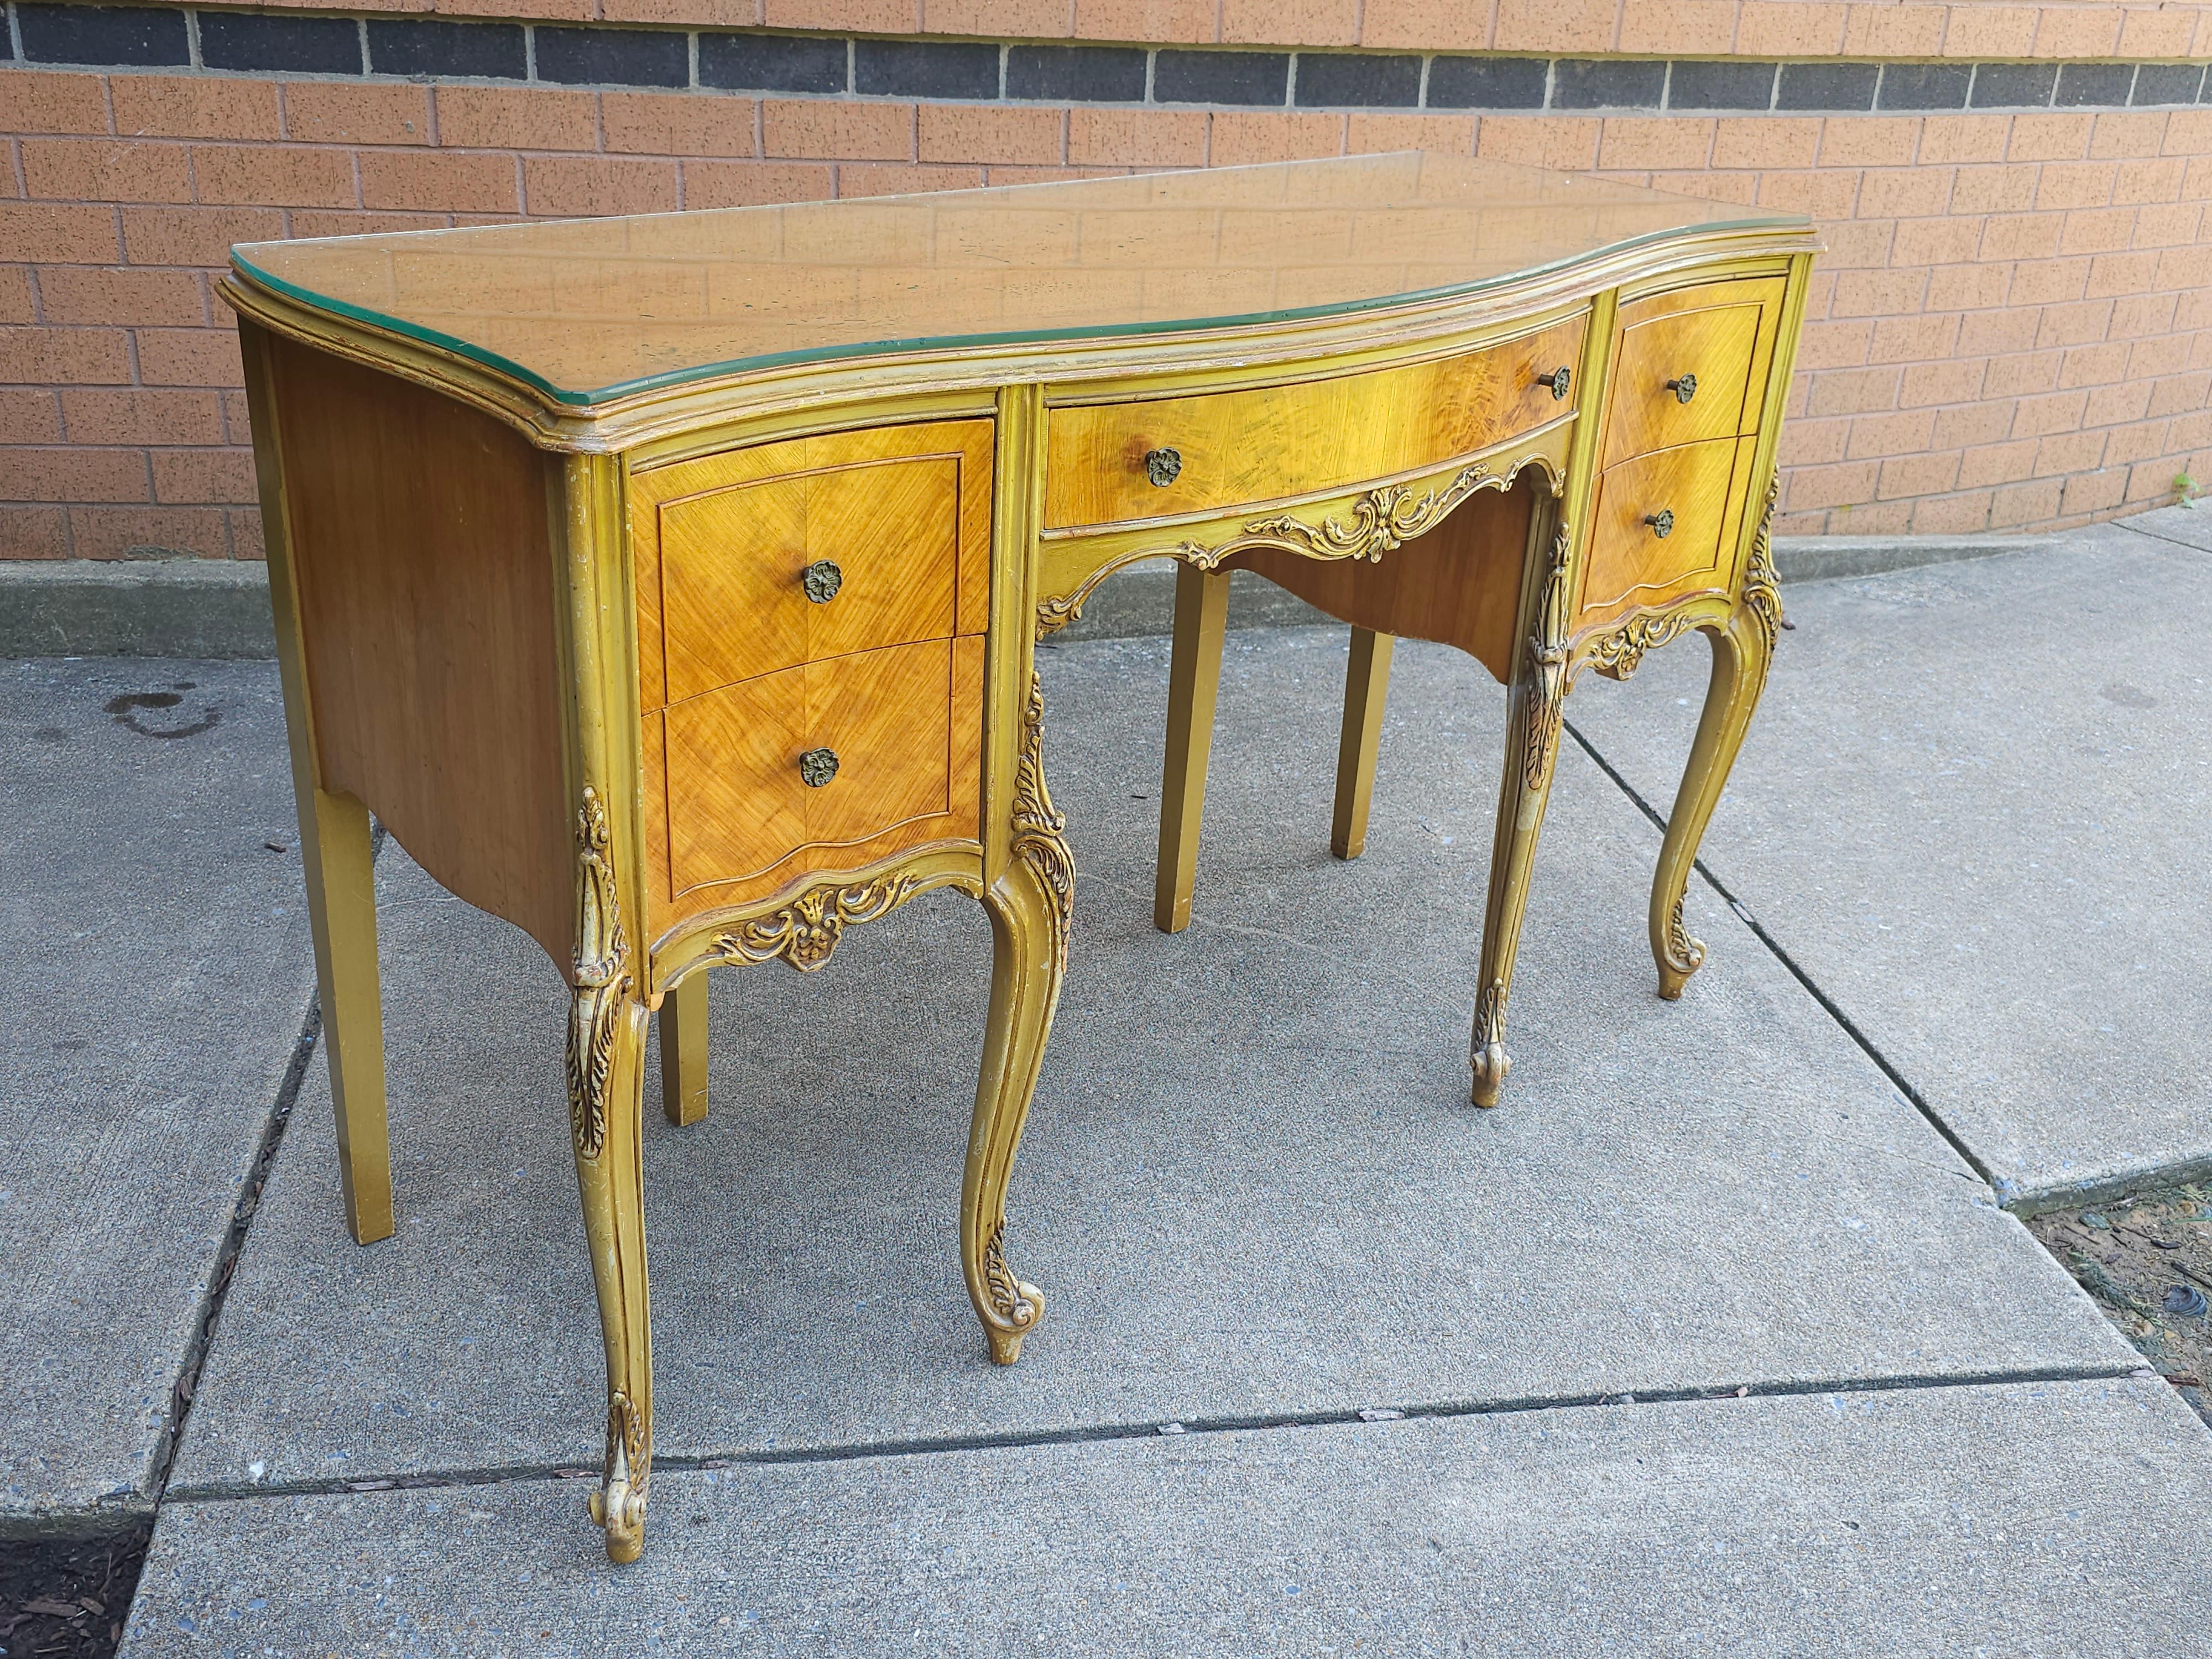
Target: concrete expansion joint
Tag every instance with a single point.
(1368, 1416)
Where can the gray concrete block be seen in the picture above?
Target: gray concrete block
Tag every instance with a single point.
(2191, 527)
(1972, 807)
(2051, 1518)
(159, 971)
(1252, 1186)
(197, 608)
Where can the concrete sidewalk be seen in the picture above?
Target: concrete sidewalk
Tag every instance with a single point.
(1252, 1191)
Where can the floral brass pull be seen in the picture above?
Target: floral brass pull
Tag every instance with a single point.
(1162, 466)
(1560, 379)
(822, 579)
(1661, 523)
(1684, 389)
(816, 766)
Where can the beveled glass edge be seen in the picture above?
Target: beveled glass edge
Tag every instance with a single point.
(589, 398)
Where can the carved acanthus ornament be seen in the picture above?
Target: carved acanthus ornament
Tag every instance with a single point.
(1684, 954)
(1013, 1301)
(619, 1503)
(1382, 519)
(1488, 1054)
(1762, 593)
(1621, 653)
(806, 931)
(1547, 669)
(602, 980)
(1039, 831)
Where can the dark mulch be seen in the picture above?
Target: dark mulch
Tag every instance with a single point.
(65, 1598)
(2147, 1261)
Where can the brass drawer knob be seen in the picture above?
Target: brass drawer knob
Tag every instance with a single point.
(1684, 389)
(816, 766)
(1162, 466)
(822, 579)
(1560, 379)
(1661, 523)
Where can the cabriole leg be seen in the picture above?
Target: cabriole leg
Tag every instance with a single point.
(1742, 652)
(339, 856)
(1366, 681)
(683, 1050)
(1030, 907)
(1202, 612)
(1531, 747)
(606, 1055)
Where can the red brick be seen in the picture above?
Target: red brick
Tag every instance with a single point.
(15, 303)
(2024, 503)
(244, 524)
(2073, 325)
(64, 356)
(677, 123)
(589, 186)
(194, 235)
(1105, 137)
(1790, 28)
(85, 293)
(1828, 196)
(308, 222)
(1682, 28)
(1917, 475)
(2112, 405)
(2126, 445)
(2045, 282)
(59, 235)
(1853, 392)
(2143, 314)
(1569, 26)
(742, 184)
(1021, 19)
(869, 16)
(1953, 138)
(496, 117)
(2057, 411)
(2178, 394)
(1551, 141)
(1990, 30)
(1833, 345)
(2021, 373)
(1859, 244)
(1997, 464)
(1913, 192)
(442, 181)
(147, 532)
(2006, 189)
(2170, 224)
(1913, 340)
(1833, 486)
(2076, 30)
(1165, 21)
(197, 476)
(1892, 30)
(2122, 273)
(1633, 141)
(1869, 141)
(1813, 443)
(1958, 424)
(1368, 133)
(2093, 365)
(1968, 288)
(2187, 132)
(30, 416)
(1765, 142)
(1951, 515)
(825, 129)
(33, 532)
(194, 106)
(1878, 293)
(105, 170)
(2157, 179)
(141, 416)
(1288, 22)
(38, 101)
(1240, 139)
(980, 132)
(2054, 137)
(79, 474)
(858, 179)
(2155, 34)
(2022, 236)
(316, 112)
(190, 356)
(2075, 185)
(236, 429)
(2094, 492)
(1904, 433)
(273, 175)
(1446, 25)
(1947, 241)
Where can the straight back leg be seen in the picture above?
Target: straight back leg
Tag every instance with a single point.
(1366, 681)
(1194, 679)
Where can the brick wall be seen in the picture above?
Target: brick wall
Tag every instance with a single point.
(2012, 328)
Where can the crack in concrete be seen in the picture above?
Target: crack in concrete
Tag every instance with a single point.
(1165, 1428)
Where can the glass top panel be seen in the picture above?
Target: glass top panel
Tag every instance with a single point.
(590, 309)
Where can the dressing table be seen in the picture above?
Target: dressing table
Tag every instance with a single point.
(669, 586)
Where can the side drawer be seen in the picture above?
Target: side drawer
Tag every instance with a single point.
(1666, 525)
(1693, 366)
(895, 522)
(905, 725)
(1248, 447)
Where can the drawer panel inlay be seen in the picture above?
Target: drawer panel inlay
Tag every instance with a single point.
(1693, 366)
(1665, 526)
(1108, 463)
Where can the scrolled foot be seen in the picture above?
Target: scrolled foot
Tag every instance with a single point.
(619, 1504)
(1016, 1305)
(1680, 957)
(1492, 1063)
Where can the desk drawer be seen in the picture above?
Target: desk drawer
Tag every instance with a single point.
(1696, 493)
(1239, 447)
(1693, 366)
(893, 523)
(750, 793)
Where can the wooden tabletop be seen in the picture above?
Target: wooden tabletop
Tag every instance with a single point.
(587, 310)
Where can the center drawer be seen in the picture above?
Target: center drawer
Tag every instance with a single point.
(1110, 463)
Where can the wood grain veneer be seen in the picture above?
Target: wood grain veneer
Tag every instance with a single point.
(1722, 332)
